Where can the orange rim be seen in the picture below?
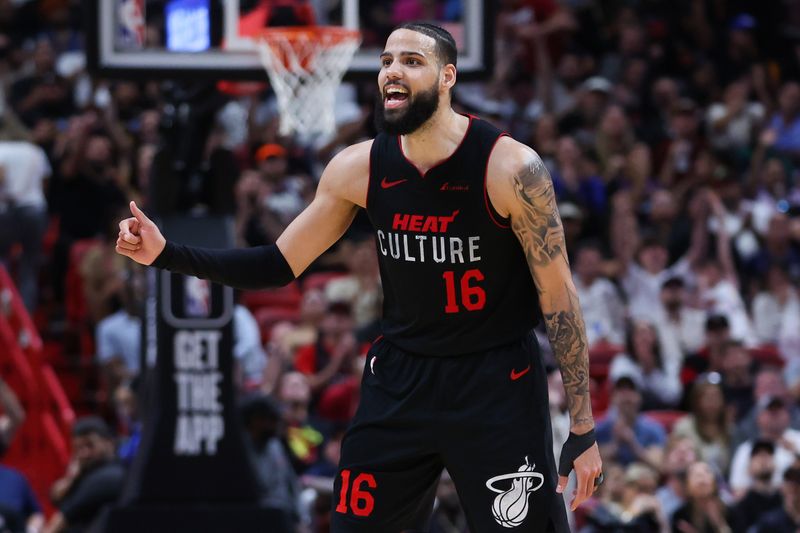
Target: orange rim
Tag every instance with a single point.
(328, 34)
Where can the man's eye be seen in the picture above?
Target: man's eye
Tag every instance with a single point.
(413, 62)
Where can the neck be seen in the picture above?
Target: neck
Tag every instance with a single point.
(435, 140)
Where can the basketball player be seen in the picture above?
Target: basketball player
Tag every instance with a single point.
(472, 255)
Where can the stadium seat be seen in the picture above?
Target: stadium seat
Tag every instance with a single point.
(287, 297)
(767, 355)
(319, 280)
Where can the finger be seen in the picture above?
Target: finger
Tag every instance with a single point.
(126, 253)
(580, 491)
(127, 246)
(129, 238)
(562, 484)
(588, 487)
(129, 225)
(139, 214)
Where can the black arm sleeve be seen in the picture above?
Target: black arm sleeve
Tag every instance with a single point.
(241, 268)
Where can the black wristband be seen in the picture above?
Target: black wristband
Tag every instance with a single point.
(572, 449)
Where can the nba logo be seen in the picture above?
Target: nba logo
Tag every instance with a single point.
(130, 14)
(196, 297)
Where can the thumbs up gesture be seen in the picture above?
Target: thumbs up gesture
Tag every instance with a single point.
(139, 238)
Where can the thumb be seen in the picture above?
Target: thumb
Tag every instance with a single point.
(562, 484)
(139, 214)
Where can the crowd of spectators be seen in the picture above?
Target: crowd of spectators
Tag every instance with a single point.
(672, 134)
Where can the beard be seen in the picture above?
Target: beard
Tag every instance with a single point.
(404, 121)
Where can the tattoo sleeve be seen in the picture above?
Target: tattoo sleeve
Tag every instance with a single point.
(538, 227)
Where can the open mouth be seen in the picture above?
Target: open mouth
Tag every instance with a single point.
(394, 97)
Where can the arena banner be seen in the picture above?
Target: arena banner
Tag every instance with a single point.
(192, 463)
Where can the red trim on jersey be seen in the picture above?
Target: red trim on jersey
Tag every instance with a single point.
(489, 207)
(379, 337)
(443, 161)
(369, 178)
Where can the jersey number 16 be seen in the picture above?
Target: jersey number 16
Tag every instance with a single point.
(473, 297)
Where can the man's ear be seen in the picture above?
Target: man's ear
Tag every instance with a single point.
(448, 78)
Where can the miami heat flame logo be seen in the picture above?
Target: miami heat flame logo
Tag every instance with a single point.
(511, 506)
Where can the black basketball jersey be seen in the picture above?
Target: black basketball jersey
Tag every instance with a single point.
(455, 278)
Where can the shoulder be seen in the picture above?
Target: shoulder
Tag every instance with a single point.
(513, 166)
(347, 174)
(353, 158)
(509, 156)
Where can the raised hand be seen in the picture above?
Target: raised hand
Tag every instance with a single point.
(139, 238)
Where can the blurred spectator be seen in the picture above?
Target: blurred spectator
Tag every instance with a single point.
(11, 417)
(330, 357)
(361, 288)
(680, 327)
(119, 335)
(92, 481)
(786, 122)
(733, 123)
(769, 382)
(129, 423)
(286, 194)
(679, 153)
(624, 434)
(643, 356)
(602, 307)
(88, 172)
(250, 360)
(20, 511)
(24, 169)
(681, 452)
(762, 496)
(738, 371)
(707, 424)
(786, 517)
(103, 274)
(704, 511)
(294, 395)
(43, 93)
(771, 306)
(773, 426)
(264, 426)
(710, 357)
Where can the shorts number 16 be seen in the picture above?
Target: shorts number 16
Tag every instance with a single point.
(361, 502)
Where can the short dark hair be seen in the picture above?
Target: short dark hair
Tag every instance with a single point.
(717, 323)
(446, 49)
(91, 425)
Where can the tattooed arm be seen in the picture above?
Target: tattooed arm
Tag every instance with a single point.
(519, 185)
(535, 221)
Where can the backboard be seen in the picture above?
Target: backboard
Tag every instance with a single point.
(209, 39)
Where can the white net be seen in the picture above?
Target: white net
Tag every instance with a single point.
(305, 68)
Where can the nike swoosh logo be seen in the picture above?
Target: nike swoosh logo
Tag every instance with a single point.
(516, 375)
(386, 183)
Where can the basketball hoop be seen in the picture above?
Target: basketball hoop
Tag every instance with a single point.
(305, 66)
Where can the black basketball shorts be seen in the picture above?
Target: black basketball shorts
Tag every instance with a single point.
(482, 416)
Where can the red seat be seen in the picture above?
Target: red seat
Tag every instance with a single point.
(287, 297)
(667, 418)
(76, 310)
(319, 280)
(604, 352)
(767, 355)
